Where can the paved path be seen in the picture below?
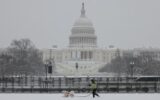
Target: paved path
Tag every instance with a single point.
(60, 97)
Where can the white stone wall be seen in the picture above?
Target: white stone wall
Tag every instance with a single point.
(74, 54)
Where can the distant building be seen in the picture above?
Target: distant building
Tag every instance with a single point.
(82, 57)
(153, 53)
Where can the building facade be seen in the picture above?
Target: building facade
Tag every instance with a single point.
(82, 57)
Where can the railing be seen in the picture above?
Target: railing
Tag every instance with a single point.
(79, 84)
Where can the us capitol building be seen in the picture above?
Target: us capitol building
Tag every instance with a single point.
(82, 57)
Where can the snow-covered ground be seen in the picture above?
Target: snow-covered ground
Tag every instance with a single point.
(79, 97)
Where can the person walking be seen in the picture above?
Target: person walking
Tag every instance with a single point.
(94, 88)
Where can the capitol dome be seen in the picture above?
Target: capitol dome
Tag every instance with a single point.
(83, 32)
(83, 22)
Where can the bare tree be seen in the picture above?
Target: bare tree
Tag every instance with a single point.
(26, 58)
(143, 65)
(5, 62)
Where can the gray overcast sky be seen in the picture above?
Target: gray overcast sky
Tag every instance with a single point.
(123, 23)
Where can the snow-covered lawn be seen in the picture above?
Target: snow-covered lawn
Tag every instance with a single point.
(79, 97)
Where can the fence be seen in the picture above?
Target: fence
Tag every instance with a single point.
(40, 84)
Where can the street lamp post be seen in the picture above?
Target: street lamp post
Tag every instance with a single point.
(48, 70)
(46, 67)
(131, 66)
